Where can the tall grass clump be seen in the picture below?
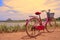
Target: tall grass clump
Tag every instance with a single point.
(10, 29)
(16, 28)
(23, 28)
(3, 28)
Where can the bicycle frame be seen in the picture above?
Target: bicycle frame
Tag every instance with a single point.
(41, 27)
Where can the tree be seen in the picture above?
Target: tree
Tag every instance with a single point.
(58, 18)
(9, 19)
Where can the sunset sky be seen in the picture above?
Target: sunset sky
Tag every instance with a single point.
(22, 9)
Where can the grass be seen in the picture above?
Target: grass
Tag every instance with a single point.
(10, 29)
(15, 28)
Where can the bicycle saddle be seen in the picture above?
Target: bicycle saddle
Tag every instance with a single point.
(37, 13)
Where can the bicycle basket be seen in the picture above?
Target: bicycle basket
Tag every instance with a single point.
(51, 15)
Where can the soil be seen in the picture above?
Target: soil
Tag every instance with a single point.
(23, 36)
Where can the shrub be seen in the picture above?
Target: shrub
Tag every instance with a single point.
(16, 28)
(0, 29)
(23, 28)
(10, 29)
(3, 28)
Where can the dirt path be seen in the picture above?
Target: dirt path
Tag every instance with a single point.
(23, 36)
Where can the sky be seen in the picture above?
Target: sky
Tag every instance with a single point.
(1, 2)
(22, 9)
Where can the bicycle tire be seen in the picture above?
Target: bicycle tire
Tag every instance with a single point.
(29, 24)
(51, 26)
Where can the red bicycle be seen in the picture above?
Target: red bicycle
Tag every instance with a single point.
(34, 25)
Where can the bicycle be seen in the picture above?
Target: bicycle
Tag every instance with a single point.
(34, 25)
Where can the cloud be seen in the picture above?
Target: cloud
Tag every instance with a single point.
(3, 4)
(57, 9)
(13, 11)
(14, 15)
(9, 13)
(51, 1)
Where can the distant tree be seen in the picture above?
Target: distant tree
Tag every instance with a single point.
(58, 18)
(9, 19)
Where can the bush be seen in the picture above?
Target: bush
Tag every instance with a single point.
(23, 28)
(0, 29)
(16, 28)
(3, 28)
(10, 29)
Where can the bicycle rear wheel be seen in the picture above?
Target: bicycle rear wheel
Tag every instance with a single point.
(51, 26)
(30, 27)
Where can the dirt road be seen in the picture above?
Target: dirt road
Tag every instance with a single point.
(23, 36)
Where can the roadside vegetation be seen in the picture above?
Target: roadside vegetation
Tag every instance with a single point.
(16, 28)
(10, 29)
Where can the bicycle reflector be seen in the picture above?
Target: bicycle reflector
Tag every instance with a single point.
(37, 13)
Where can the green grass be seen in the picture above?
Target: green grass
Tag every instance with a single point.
(10, 29)
(15, 28)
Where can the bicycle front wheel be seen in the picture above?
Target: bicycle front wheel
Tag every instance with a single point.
(51, 26)
(30, 27)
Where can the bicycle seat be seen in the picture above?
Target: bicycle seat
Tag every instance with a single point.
(37, 13)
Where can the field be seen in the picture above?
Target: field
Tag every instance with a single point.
(23, 36)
